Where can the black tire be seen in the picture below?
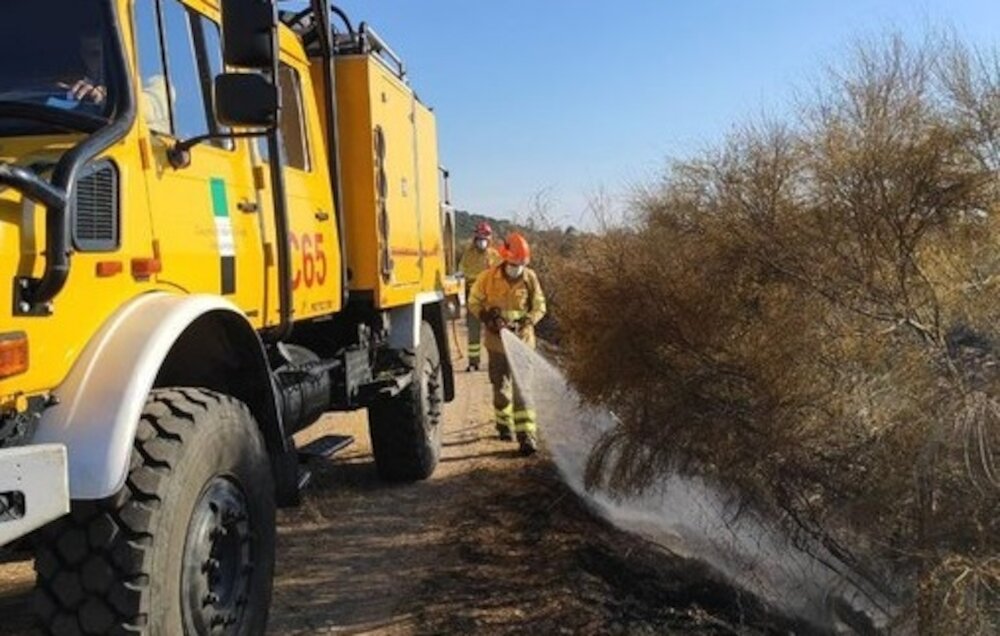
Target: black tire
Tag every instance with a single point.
(406, 429)
(196, 518)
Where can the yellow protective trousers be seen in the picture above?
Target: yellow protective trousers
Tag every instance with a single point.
(475, 328)
(511, 402)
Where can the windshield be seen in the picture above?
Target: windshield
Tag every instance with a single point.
(57, 62)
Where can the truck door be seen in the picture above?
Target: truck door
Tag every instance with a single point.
(315, 252)
(205, 216)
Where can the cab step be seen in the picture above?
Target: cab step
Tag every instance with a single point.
(325, 447)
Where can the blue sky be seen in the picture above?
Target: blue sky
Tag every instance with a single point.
(571, 96)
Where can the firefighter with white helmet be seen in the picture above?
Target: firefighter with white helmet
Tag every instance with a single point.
(509, 296)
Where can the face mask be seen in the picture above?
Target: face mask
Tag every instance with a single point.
(481, 244)
(513, 271)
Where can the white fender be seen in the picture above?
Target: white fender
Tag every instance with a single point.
(100, 401)
(404, 322)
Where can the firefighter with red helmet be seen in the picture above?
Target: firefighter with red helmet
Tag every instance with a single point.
(477, 258)
(509, 296)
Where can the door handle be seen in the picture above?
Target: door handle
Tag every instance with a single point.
(322, 216)
(247, 206)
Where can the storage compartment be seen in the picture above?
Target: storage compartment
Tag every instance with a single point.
(389, 167)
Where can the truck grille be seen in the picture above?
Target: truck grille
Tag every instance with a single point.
(95, 209)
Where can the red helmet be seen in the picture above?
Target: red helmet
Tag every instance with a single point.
(483, 230)
(515, 250)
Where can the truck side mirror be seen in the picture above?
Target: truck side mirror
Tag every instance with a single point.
(249, 33)
(247, 100)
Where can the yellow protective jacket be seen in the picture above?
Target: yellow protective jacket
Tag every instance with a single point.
(515, 299)
(474, 262)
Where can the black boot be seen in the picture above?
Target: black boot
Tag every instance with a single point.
(503, 432)
(473, 366)
(528, 444)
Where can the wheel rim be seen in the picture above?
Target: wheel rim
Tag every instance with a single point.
(218, 560)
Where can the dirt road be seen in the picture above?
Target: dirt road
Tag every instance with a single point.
(493, 543)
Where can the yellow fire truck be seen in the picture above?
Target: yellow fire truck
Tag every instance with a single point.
(218, 221)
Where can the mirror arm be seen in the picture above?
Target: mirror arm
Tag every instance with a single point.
(179, 155)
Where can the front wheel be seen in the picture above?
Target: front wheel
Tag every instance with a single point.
(186, 547)
(406, 429)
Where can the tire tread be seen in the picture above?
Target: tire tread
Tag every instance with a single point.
(396, 426)
(114, 530)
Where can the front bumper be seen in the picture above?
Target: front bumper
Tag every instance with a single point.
(34, 488)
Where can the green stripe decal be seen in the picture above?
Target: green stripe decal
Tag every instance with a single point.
(224, 235)
(220, 206)
(223, 224)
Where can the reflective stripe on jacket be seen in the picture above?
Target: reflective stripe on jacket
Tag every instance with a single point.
(515, 299)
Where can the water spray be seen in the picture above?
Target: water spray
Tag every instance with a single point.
(693, 519)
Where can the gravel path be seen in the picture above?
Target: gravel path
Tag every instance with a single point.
(492, 543)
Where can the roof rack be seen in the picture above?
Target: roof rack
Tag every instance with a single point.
(361, 41)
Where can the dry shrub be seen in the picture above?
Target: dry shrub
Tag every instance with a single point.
(966, 594)
(807, 315)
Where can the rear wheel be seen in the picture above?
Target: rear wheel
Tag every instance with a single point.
(406, 429)
(186, 547)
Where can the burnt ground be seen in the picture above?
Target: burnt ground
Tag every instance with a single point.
(493, 543)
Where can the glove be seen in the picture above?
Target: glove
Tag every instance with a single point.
(521, 325)
(493, 320)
